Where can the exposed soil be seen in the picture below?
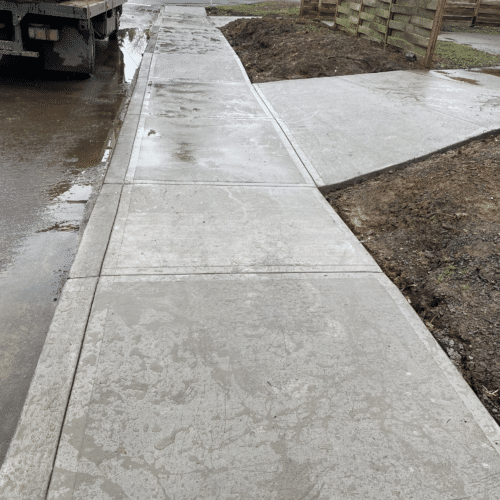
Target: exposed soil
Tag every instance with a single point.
(434, 229)
(284, 48)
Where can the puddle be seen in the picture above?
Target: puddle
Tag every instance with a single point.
(54, 130)
(132, 43)
(76, 194)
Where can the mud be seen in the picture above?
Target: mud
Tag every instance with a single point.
(434, 228)
(274, 48)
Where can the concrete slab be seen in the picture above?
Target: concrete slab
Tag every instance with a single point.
(229, 229)
(478, 41)
(347, 130)
(175, 11)
(214, 150)
(197, 68)
(26, 471)
(203, 100)
(298, 386)
(460, 99)
(191, 41)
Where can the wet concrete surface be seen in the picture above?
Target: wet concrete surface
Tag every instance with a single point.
(55, 129)
(53, 138)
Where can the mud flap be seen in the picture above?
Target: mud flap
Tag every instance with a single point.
(75, 51)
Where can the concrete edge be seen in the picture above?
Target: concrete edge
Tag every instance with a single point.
(480, 414)
(27, 468)
(295, 144)
(480, 134)
(120, 158)
(90, 255)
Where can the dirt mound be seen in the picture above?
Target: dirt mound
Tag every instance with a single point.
(434, 229)
(283, 49)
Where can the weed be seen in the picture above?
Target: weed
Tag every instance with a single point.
(449, 271)
(453, 55)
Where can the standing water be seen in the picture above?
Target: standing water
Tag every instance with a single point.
(54, 132)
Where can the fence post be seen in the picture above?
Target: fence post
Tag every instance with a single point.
(436, 29)
(359, 17)
(476, 13)
(388, 21)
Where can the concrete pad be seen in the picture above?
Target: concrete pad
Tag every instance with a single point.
(462, 100)
(203, 100)
(197, 68)
(257, 387)
(90, 255)
(478, 41)
(484, 77)
(214, 150)
(191, 41)
(172, 11)
(180, 229)
(348, 131)
(26, 471)
(220, 21)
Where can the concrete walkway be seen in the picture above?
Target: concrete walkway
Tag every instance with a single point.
(232, 339)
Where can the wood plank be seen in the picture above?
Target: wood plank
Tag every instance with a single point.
(343, 9)
(346, 25)
(421, 21)
(411, 11)
(371, 34)
(376, 27)
(414, 39)
(403, 44)
(409, 28)
(373, 13)
(354, 6)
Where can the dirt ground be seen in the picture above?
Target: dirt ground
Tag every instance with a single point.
(276, 48)
(434, 229)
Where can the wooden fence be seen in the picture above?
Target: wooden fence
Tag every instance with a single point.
(472, 13)
(411, 25)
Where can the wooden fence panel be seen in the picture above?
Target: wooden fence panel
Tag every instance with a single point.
(411, 25)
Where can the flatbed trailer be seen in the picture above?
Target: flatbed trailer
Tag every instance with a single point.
(63, 34)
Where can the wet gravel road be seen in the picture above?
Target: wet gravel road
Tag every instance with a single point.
(54, 132)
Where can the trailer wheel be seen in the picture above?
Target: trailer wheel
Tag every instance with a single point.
(74, 51)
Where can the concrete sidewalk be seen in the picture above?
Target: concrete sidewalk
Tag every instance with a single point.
(230, 336)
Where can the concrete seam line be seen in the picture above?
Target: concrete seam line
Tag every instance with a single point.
(481, 416)
(295, 144)
(26, 471)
